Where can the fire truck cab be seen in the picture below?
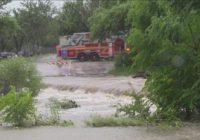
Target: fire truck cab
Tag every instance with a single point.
(80, 46)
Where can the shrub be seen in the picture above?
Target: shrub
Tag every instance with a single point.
(123, 65)
(139, 108)
(54, 111)
(20, 73)
(63, 104)
(67, 104)
(174, 89)
(54, 118)
(123, 60)
(99, 121)
(17, 107)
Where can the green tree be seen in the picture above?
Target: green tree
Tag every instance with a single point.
(20, 35)
(74, 15)
(34, 18)
(9, 26)
(165, 38)
(73, 18)
(52, 37)
(167, 46)
(106, 22)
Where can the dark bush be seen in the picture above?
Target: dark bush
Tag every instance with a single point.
(123, 60)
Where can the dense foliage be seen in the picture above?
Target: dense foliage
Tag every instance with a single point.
(20, 73)
(73, 18)
(9, 27)
(29, 27)
(106, 22)
(164, 36)
(169, 50)
(17, 107)
(37, 25)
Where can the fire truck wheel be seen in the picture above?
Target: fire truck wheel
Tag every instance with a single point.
(82, 57)
(94, 57)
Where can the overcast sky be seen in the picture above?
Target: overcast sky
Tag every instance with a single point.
(16, 4)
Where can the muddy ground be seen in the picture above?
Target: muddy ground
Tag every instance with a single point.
(97, 92)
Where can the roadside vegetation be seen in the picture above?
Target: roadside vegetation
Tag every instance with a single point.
(19, 84)
(17, 107)
(20, 73)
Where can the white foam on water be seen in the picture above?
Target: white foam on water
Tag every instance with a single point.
(90, 103)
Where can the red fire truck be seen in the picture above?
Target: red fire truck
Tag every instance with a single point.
(80, 46)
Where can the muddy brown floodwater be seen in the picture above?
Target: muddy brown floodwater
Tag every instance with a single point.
(91, 103)
(97, 92)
